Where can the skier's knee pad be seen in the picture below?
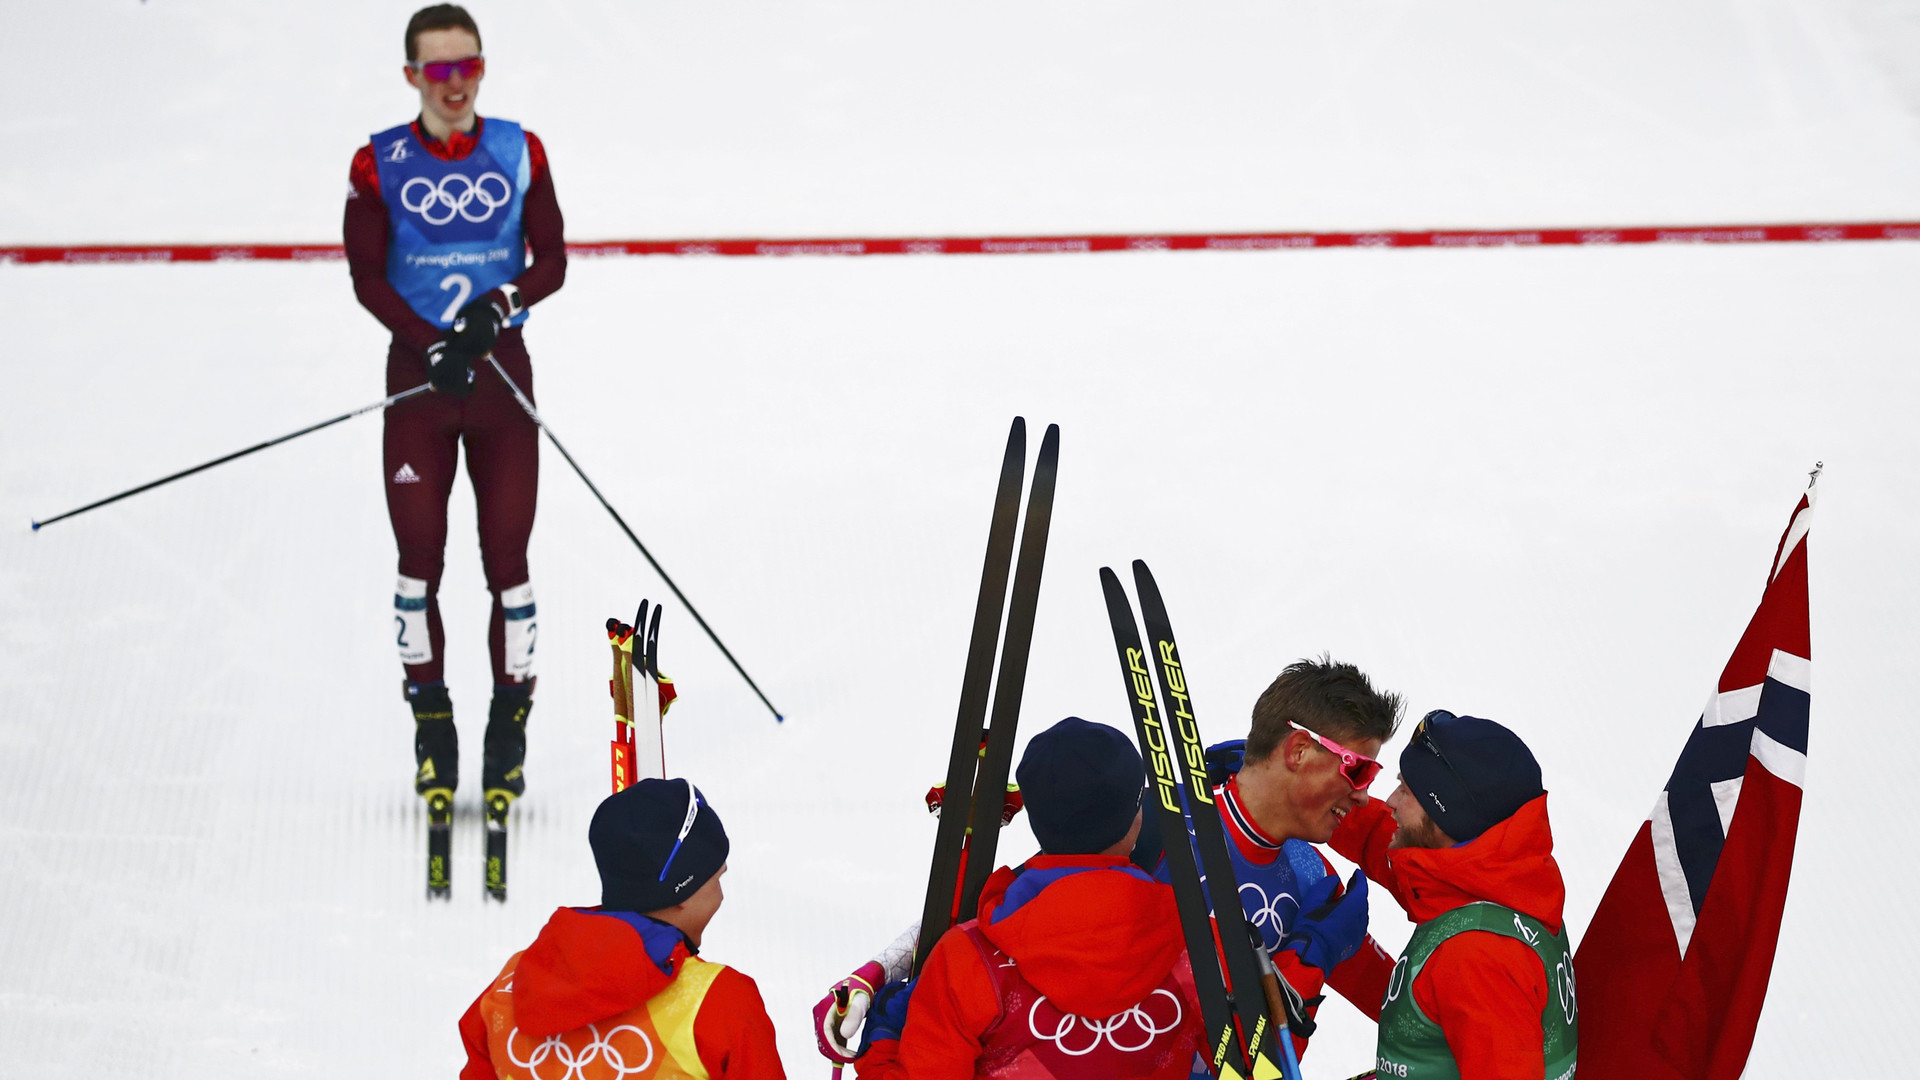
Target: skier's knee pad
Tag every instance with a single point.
(516, 604)
(410, 621)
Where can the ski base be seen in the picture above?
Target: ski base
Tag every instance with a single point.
(439, 845)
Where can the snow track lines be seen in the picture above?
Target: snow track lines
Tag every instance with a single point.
(1038, 245)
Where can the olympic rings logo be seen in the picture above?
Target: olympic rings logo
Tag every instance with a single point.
(575, 1059)
(1110, 1030)
(1569, 999)
(455, 195)
(1397, 981)
(1266, 915)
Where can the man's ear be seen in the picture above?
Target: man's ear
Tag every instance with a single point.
(1293, 750)
(413, 77)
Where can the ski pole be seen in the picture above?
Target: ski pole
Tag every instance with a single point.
(527, 405)
(381, 404)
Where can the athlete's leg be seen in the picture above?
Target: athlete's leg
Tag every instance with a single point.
(503, 459)
(420, 456)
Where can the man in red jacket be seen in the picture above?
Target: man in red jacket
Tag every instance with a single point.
(1485, 988)
(619, 992)
(1076, 967)
(442, 214)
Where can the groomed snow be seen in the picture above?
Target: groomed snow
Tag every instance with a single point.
(1537, 485)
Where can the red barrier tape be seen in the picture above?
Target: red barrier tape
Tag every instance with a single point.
(1035, 245)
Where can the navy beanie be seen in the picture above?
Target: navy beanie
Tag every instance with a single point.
(633, 836)
(1082, 784)
(1469, 774)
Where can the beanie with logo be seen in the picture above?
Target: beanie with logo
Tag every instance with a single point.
(1469, 774)
(656, 843)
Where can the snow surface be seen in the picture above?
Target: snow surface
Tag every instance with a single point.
(1536, 485)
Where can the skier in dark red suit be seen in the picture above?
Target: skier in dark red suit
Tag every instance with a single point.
(441, 217)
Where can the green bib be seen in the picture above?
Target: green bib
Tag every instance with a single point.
(1412, 1046)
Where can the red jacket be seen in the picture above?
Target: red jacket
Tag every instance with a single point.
(611, 969)
(1495, 987)
(1095, 944)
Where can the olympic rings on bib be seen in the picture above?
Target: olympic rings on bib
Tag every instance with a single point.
(455, 194)
(1267, 915)
(556, 1050)
(1110, 1030)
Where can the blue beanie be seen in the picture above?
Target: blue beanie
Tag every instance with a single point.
(634, 833)
(1082, 784)
(1469, 774)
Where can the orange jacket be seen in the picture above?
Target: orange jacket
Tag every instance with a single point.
(620, 996)
(1494, 987)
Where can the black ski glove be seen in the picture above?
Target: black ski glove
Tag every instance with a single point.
(475, 329)
(449, 372)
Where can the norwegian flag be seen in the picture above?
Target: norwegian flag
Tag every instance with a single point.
(1673, 970)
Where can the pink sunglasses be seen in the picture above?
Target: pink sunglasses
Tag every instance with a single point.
(441, 70)
(1357, 769)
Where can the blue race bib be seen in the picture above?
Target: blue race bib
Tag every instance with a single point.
(455, 224)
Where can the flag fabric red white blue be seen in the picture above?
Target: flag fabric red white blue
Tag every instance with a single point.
(1673, 968)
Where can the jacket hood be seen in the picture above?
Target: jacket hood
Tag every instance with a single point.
(1511, 864)
(589, 964)
(1091, 932)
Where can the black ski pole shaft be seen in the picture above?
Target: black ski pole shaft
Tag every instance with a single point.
(150, 485)
(534, 415)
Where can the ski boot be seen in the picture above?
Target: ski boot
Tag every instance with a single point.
(436, 754)
(500, 774)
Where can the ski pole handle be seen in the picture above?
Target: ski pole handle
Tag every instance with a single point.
(620, 687)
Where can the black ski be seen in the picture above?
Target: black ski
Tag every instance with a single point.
(1190, 898)
(650, 649)
(1226, 970)
(440, 844)
(964, 760)
(996, 759)
(1243, 967)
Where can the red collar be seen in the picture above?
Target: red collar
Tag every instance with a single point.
(459, 143)
(1255, 844)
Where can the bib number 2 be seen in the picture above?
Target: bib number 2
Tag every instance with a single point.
(462, 287)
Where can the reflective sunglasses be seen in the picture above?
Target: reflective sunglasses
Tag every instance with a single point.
(469, 67)
(686, 827)
(1357, 769)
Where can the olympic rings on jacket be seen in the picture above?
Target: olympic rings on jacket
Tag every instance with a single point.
(1105, 1030)
(455, 194)
(575, 1059)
